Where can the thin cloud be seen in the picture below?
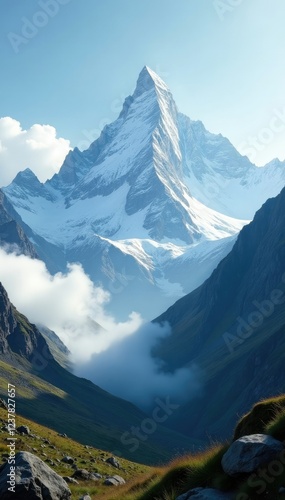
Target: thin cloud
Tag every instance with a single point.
(128, 369)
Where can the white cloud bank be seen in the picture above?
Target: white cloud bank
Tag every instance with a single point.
(37, 148)
(116, 357)
(70, 304)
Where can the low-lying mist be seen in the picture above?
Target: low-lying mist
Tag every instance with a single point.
(117, 356)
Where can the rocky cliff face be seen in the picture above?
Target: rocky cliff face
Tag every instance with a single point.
(7, 320)
(12, 235)
(232, 326)
(17, 335)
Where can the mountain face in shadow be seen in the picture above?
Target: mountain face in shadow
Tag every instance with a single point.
(232, 327)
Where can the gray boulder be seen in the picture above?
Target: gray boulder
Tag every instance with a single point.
(248, 453)
(34, 480)
(205, 494)
(110, 481)
(81, 474)
(119, 479)
(114, 481)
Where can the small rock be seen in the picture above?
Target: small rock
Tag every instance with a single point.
(98, 476)
(68, 460)
(94, 476)
(81, 474)
(114, 481)
(85, 497)
(23, 429)
(114, 462)
(70, 480)
(119, 479)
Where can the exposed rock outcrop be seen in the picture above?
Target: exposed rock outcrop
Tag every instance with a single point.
(248, 453)
(33, 480)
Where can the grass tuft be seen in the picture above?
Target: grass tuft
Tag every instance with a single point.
(256, 421)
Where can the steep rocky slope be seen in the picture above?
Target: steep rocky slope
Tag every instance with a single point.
(232, 327)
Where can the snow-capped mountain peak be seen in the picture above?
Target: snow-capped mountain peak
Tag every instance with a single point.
(156, 197)
(27, 177)
(149, 80)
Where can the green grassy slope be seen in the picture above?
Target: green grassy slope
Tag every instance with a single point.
(205, 470)
(51, 448)
(164, 483)
(86, 413)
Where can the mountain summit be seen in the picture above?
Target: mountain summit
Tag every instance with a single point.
(153, 204)
(148, 80)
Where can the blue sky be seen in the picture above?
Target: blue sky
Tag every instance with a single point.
(222, 59)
